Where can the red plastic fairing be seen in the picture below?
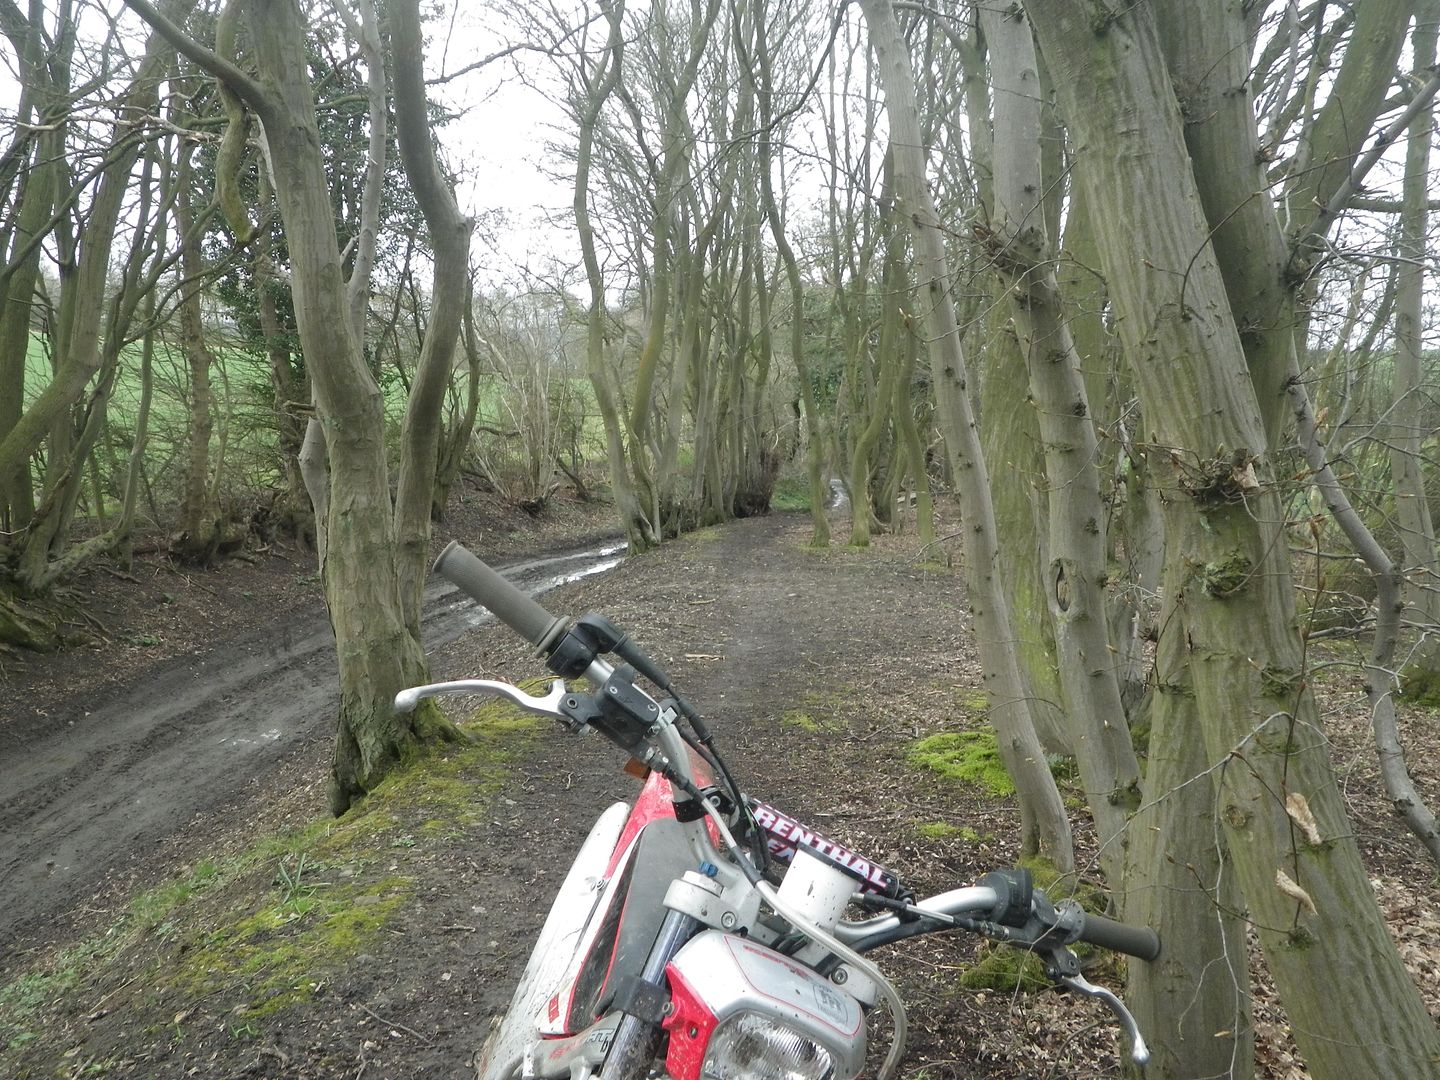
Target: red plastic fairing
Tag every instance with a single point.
(690, 1026)
(657, 800)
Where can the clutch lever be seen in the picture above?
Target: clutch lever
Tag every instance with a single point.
(1139, 1052)
(539, 705)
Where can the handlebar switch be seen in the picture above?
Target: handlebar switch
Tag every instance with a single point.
(576, 651)
(1016, 891)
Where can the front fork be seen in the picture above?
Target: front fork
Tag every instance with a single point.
(637, 1039)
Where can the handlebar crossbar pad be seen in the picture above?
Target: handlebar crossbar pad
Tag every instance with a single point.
(1138, 941)
(508, 604)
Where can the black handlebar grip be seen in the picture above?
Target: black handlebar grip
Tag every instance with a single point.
(508, 604)
(1138, 941)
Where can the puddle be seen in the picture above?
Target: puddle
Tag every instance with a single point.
(589, 571)
(258, 739)
(597, 560)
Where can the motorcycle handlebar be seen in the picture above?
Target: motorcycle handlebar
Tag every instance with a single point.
(506, 602)
(1137, 941)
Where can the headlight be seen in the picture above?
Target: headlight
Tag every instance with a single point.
(752, 1047)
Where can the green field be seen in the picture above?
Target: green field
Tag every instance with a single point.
(244, 419)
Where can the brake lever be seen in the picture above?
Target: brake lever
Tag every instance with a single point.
(539, 705)
(1139, 1052)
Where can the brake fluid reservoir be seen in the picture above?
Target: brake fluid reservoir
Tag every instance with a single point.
(819, 887)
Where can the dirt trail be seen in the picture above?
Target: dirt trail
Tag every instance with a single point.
(183, 741)
(817, 672)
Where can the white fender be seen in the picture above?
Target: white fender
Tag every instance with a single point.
(574, 904)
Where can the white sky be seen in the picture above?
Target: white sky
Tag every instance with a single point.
(499, 146)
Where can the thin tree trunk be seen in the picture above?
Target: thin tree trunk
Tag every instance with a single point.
(1076, 570)
(450, 248)
(639, 529)
(814, 422)
(80, 359)
(1044, 826)
(199, 526)
(1407, 428)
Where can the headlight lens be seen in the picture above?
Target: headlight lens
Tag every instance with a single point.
(752, 1047)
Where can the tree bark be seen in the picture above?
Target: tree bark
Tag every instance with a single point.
(1225, 522)
(1193, 1003)
(1075, 572)
(1407, 429)
(377, 652)
(1044, 826)
(79, 360)
(200, 528)
(450, 248)
(599, 85)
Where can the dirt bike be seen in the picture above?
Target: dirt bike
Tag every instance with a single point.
(670, 950)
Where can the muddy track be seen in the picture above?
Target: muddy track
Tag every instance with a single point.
(183, 740)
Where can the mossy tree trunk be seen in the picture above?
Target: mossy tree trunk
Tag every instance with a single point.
(1193, 1003)
(1074, 570)
(596, 87)
(365, 583)
(87, 265)
(1044, 824)
(814, 422)
(1306, 889)
(199, 520)
(1408, 429)
(1262, 270)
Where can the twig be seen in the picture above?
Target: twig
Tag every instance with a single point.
(111, 994)
(188, 580)
(393, 1024)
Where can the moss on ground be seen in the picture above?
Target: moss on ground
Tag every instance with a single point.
(976, 702)
(798, 718)
(281, 953)
(943, 830)
(274, 920)
(1420, 685)
(968, 757)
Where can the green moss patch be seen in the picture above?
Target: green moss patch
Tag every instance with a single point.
(266, 926)
(1004, 967)
(1420, 685)
(943, 830)
(798, 718)
(281, 953)
(969, 757)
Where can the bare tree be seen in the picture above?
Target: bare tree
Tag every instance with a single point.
(1044, 824)
(374, 559)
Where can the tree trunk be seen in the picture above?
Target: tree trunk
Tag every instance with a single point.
(450, 248)
(79, 359)
(1226, 531)
(639, 530)
(1011, 437)
(1407, 430)
(1193, 1003)
(1075, 571)
(1044, 826)
(814, 422)
(200, 526)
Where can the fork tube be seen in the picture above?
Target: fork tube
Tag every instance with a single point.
(637, 1041)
